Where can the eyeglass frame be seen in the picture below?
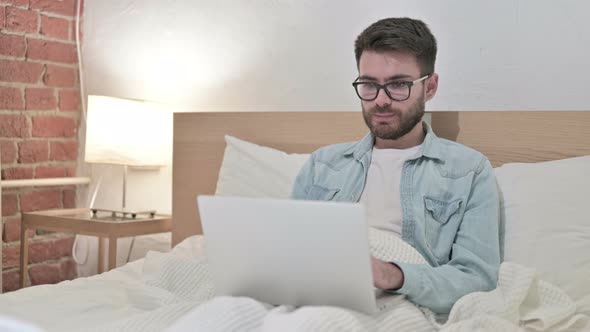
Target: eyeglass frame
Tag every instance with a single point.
(379, 87)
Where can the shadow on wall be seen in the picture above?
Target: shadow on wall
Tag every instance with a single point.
(446, 125)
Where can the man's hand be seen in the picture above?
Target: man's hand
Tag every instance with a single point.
(386, 275)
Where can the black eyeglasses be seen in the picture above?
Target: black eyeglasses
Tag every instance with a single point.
(398, 91)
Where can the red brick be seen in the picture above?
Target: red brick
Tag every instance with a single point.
(12, 230)
(55, 27)
(20, 71)
(69, 100)
(2, 15)
(17, 173)
(42, 274)
(73, 31)
(59, 76)
(11, 98)
(69, 198)
(54, 126)
(11, 45)
(10, 280)
(63, 247)
(7, 152)
(20, 3)
(10, 256)
(40, 200)
(13, 126)
(40, 99)
(64, 7)
(43, 172)
(50, 249)
(22, 20)
(40, 49)
(68, 269)
(33, 151)
(9, 205)
(64, 151)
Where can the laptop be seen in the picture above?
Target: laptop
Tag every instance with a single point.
(289, 252)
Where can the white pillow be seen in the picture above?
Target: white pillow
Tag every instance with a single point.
(251, 170)
(548, 221)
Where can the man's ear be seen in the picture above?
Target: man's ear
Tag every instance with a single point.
(431, 86)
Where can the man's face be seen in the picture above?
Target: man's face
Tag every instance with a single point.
(387, 118)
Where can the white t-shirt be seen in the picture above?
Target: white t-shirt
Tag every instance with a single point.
(381, 194)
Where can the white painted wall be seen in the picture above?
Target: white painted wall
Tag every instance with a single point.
(297, 55)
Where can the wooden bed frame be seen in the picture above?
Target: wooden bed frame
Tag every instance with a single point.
(507, 136)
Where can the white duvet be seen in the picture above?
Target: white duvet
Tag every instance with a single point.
(174, 292)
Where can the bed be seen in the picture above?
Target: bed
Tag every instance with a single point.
(531, 151)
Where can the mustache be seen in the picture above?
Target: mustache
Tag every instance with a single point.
(384, 110)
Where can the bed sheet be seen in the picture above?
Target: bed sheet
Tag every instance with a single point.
(91, 301)
(174, 292)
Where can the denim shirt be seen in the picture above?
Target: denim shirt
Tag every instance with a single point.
(450, 212)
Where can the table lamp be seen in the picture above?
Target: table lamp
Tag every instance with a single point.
(130, 133)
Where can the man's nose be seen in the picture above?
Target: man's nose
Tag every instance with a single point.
(382, 98)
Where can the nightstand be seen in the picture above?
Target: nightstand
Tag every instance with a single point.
(83, 221)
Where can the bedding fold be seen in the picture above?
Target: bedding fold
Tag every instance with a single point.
(175, 292)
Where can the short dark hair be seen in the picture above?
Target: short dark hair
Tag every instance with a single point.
(399, 34)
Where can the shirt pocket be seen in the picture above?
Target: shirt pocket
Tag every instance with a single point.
(318, 193)
(442, 219)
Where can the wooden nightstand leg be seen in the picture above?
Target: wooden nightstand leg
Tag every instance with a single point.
(24, 255)
(101, 241)
(112, 252)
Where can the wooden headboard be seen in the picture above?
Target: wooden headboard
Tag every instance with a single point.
(510, 136)
(199, 145)
(502, 136)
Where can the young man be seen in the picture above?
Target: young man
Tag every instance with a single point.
(439, 196)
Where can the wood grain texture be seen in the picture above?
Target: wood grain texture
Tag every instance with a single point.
(513, 136)
(199, 145)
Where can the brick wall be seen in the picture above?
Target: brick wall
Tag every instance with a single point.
(39, 115)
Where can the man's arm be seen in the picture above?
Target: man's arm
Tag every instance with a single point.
(475, 255)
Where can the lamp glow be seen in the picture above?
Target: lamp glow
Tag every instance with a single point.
(127, 132)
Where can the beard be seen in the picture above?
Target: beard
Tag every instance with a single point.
(402, 123)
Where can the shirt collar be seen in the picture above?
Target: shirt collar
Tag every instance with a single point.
(430, 146)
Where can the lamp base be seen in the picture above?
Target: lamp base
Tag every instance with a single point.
(123, 213)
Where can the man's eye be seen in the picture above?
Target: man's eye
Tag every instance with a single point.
(396, 84)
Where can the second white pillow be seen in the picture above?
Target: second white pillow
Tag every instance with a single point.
(251, 170)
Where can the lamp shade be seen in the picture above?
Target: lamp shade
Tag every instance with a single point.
(127, 132)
